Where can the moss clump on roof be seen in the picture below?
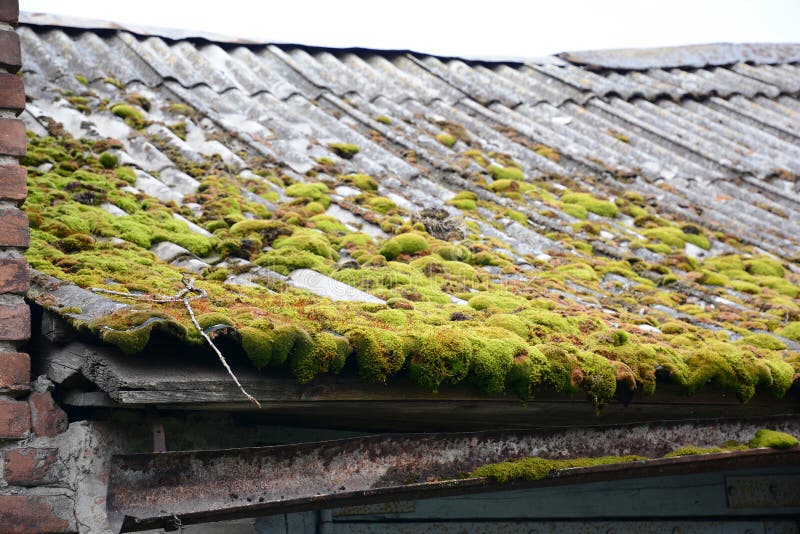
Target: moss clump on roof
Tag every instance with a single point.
(379, 353)
(344, 150)
(365, 182)
(791, 331)
(446, 139)
(451, 252)
(381, 204)
(107, 160)
(764, 267)
(773, 439)
(131, 114)
(595, 205)
(383, 119)
(675, 237)
(547, 152)
(409, 243)
(307, 240)
(506, 173)
(315, 191)
(82, 79)
(538, 468)
(763, 341)
(503, 301)
(437, 356)
(575, 210)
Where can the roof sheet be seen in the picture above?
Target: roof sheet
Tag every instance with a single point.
(558, 227)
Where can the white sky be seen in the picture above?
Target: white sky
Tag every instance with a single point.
(487, 28)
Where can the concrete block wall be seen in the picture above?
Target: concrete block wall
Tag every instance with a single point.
(30, 497)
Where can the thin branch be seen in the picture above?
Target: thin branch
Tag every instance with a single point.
(181, 296)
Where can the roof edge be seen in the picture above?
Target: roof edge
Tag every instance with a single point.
(691, 56)
(49, 20)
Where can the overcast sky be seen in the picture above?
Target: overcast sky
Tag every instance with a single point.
(487, 28)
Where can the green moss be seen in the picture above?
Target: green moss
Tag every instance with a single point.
(107, 160)
(781, 285)
(381, 204)
(714, 279)
(772, 439)
(356, 239)
(692, 450)
(575, 210)
(310, 241)
(130, 330)
(452, 252)
(763, 341)
(595, 205)
(128, 112)
(745, 287)
(510, 322)
(506, 173)
(463, 203)
(126, 174)
(494, 352)
(208, 320)
(286, 260)
(503, 301)
(379, 353)
(669, 235)
(314, 208)
(446, 139)
(537, 468)
(326, 354)
(314, 191)
(409, 243)
(82, 79)
(180, 108)
(344, 150)
(699, 240)
(547, 152)
(365, 182)
(764, 267)
(179, 129)
(274, 346)
(439, 355)
(549, 320)
(791, 331)
(383, 119)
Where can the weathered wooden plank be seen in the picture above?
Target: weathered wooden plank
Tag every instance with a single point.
(348, 402)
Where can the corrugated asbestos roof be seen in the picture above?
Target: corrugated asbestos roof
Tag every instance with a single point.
(701, 140)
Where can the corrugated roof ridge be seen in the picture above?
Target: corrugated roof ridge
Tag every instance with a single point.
(691, 56)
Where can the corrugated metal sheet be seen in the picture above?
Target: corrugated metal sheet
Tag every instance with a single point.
(714, 145)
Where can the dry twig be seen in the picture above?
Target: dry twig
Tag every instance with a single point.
(183, 296)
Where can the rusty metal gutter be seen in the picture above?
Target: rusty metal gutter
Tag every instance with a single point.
(148, 491)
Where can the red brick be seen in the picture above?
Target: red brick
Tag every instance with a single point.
(28, 466)
(15, 419)
(14, 276)
(12, 92)
(14, 231)
(36, 514)
(47, 418)
(13, 181)
(12, 137)
(15, 322)
(15, 371)
(9, 11)
(10, 54)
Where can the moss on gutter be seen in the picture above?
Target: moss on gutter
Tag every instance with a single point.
(537, 468)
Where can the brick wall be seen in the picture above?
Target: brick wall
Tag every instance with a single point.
(30, 500)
